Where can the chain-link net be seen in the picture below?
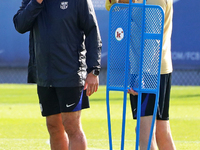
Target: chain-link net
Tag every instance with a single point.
(179, 76)
(13, 74)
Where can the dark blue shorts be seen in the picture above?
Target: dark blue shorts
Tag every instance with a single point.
(55, 100)
(148, 100)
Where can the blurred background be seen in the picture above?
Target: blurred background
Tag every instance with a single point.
(14, 54)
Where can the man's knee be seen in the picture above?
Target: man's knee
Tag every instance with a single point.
(54, 124)
(70, 129)
(71, 123)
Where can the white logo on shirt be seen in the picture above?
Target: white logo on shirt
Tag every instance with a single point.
(63, 5)
(69, 105)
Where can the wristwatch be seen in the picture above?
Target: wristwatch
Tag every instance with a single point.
(96, 72)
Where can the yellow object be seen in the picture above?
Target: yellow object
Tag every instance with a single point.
(109, 3)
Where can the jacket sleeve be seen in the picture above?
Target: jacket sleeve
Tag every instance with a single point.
(88, 23)
(26, 15)
(32, 78)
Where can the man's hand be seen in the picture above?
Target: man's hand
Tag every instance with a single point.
(39, 1)
(131, 91)
(91, 84)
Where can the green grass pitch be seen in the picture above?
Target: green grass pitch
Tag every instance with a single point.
(23, 128)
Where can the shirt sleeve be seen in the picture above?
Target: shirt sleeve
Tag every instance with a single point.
(109, 3)
(89, 25)
(26, 15)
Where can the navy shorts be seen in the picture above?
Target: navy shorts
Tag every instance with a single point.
(55, 100)
(148, 100)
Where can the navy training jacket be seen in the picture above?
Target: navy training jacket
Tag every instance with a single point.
(64, 43)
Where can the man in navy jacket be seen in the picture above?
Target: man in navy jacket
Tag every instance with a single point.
(65, 51)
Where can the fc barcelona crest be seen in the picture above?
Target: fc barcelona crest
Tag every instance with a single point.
(64, 5)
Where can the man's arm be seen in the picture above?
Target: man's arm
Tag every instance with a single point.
(88, 23)
(26, 15)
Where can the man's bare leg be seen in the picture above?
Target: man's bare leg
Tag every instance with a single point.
(145, 127)
(73, 128)
(163, 135)
(58, 136)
